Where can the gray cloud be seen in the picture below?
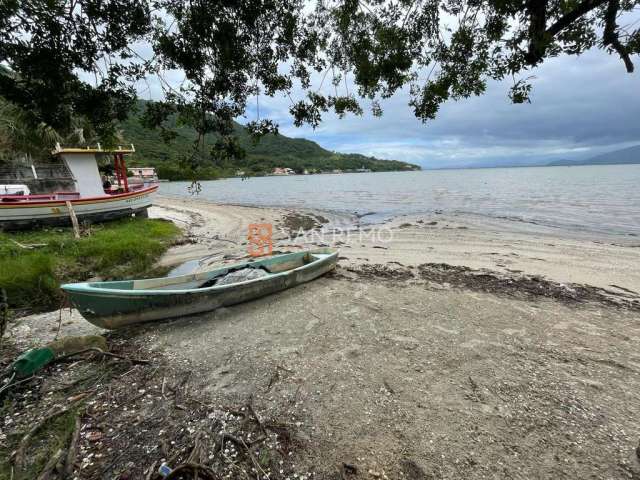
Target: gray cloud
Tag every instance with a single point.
(580, 106)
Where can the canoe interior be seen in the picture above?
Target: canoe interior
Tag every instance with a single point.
(272, 266)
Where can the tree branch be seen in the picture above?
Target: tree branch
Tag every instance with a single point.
(610, 35)
(537, 10)
(566, 20)
(539, 37)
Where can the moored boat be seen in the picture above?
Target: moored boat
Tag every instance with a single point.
(118, 304)
(90, 199)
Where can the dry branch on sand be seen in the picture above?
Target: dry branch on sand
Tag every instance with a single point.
(19, 456)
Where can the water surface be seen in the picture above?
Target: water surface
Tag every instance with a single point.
(602, 198)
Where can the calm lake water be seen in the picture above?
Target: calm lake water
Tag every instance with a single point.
(604, 199)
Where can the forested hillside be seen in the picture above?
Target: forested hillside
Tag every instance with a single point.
(261, 157)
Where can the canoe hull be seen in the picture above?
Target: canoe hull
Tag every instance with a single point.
(121, 308)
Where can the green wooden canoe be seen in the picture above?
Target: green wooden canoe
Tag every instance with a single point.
(122, 303)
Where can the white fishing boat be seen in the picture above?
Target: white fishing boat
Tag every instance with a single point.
(89, 199)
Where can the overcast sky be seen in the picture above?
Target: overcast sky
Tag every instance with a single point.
(581, 106)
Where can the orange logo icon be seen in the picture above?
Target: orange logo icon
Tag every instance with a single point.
(259, 237)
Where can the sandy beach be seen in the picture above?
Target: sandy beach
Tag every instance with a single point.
(478, 243)
(442, 346)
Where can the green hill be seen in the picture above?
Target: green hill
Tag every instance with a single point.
(270, 152)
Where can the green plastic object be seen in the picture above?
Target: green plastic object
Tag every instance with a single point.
(31, 361)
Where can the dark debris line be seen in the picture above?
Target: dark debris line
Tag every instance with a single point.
(518, 286)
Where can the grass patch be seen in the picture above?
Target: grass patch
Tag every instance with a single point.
(117, 250)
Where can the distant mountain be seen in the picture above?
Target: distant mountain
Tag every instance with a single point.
(270, 152)
(617, 157)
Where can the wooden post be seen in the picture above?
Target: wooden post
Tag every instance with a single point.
(123, 166)
(116, 167)
(74, 220)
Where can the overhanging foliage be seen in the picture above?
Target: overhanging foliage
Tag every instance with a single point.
(85, 58)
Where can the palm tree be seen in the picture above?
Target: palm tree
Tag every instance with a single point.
(22, 140)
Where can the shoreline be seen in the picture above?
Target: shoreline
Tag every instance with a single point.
(500, 222)
(563, 205)
(410, 240)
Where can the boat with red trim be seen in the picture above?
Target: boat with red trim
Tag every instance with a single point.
(93, 198)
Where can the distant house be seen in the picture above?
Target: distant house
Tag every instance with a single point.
(143, 175)
(283, 171)
(363, 170)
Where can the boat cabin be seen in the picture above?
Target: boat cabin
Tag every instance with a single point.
(83, 165)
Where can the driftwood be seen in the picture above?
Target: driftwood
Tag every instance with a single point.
(29, 246)
(151, 471)
(255, 416)
(103, 353)
(64, 302)
(193, 466)
(240, 443)
(73, 450)
(19, 454)
(11, 383)
(51, 464)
